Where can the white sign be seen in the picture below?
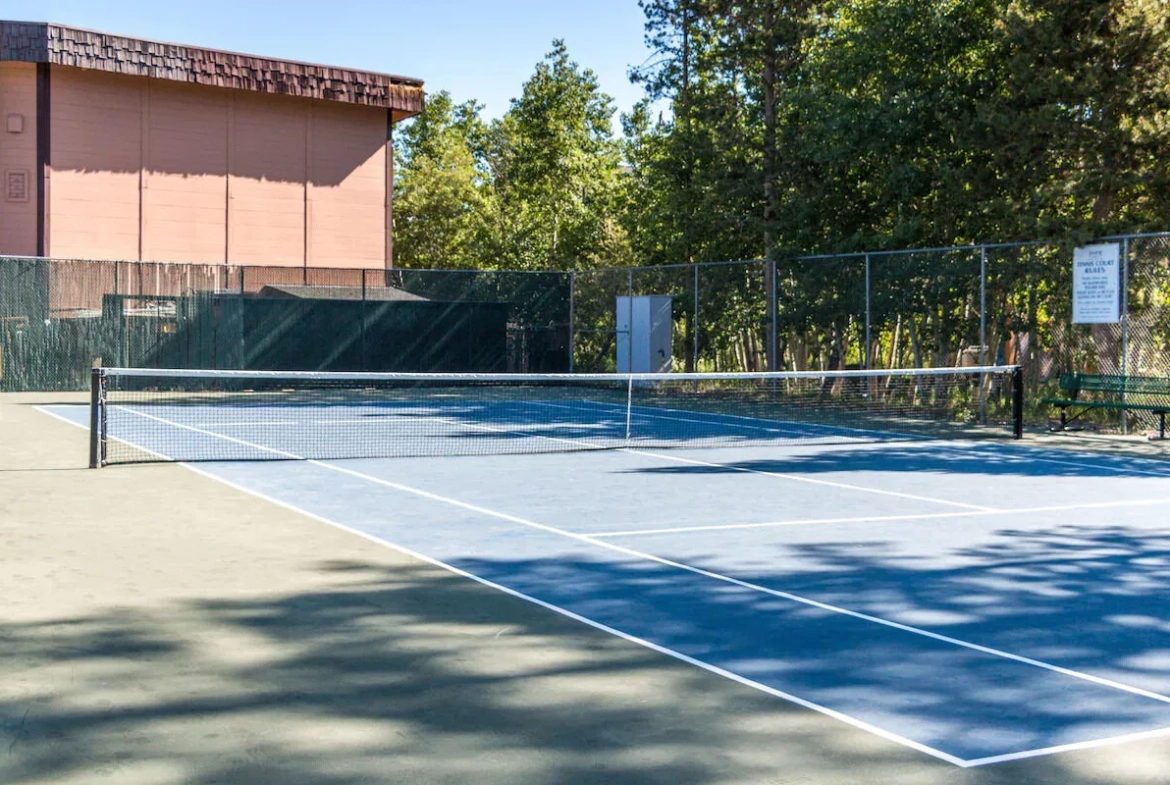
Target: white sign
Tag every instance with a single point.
(1097, 284)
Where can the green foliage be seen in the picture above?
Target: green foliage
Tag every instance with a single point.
(556, 172)
(540, 188)
(441, 194)
(803, 126)
(852, 125)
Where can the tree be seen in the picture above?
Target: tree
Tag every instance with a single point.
(555, 172)
(1084, 113)
(442, 196)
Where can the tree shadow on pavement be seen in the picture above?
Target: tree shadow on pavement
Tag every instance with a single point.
(414, 675)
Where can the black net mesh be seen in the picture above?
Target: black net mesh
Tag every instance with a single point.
(209, 416)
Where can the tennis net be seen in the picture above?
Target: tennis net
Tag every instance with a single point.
(191, 415)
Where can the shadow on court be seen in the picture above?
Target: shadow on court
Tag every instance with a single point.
(158, 629)
(416, 675)
(405, 676)
(933, 459)
(1090, 598)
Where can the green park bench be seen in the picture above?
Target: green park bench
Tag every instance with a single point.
(1119, 388)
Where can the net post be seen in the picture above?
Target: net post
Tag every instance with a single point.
(97, 416)
(629, 404)
(868, 317)
(1017, 402)
(695, 329)
(773, 326)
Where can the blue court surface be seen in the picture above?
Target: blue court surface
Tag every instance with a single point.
(977, 601)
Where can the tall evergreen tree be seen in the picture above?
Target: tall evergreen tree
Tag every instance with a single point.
(441, 193)
(556, 171)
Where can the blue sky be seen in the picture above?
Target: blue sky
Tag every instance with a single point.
(482, 50)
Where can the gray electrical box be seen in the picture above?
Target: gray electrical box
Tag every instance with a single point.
(644, 334)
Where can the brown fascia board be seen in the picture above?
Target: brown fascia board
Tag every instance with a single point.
(40, 42)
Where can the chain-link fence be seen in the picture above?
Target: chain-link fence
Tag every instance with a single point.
(59, 317)
(943, 307)
(968, 306)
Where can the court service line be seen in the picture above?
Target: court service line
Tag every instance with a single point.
(804, 428)
(672, 653)
(810, 480)
(810, 428)
(615, 409)
(792, 477)
(886, 518)
(861, 724)
(1090, 462)
(633, 451)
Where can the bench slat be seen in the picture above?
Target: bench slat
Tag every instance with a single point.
(1113, 383)
(1147, 407)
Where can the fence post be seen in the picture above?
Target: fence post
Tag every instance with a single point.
(1124, 330)
(240, 347)
(695, 331)
(364, 364)
(119, 330)
(773, 337)
(983, 333)
(1018, 402)
(868, 316)
(572, 320)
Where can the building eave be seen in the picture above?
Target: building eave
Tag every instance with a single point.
(60, 45)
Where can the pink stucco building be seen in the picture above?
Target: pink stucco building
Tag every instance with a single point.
(118, 148)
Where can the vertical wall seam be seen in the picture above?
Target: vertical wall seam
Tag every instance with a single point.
(44, 166)
(307, 212)
(227, 185)
(143, 163)
(389, 198)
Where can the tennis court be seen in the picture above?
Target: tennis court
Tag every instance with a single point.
(975, 600)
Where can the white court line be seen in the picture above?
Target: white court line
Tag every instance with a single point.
(803, 522)
(861, 724)
(885, 518)
(804, 427)
(796, 477)
(825, 710)
(710, 668)
(792, 477)
(85, 426)
(697, 570)
(1090, 462)
(613, 407)
(1071, 747)
(1037, 453)
(809, 480)
(834, 714)
(226, 438)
